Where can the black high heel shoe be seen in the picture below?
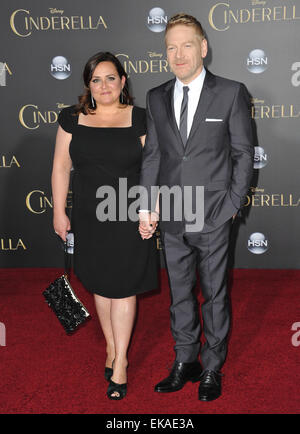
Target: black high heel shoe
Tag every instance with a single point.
(113, 387)
(108, 372)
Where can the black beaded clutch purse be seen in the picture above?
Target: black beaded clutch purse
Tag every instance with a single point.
(62, 299)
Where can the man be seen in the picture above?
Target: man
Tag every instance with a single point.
(199, 134)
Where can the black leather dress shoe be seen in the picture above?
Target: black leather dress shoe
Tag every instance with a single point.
(210, 385)
(180, 374)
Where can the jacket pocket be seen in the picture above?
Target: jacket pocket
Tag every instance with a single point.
(217, 185)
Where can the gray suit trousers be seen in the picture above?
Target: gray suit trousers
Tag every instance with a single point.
(184, 254)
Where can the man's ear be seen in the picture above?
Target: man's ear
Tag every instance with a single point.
(204, 48)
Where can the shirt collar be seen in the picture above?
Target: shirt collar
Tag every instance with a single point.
(195, 85)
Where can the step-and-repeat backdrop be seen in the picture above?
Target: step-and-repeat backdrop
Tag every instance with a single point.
(44, 47)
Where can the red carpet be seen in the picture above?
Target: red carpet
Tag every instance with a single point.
(43, 370)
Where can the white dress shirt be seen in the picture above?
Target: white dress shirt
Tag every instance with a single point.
(195, 88)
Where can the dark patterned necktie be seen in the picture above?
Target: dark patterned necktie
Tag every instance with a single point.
(184, 115)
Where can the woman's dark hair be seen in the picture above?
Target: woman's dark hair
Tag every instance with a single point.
(85, 101)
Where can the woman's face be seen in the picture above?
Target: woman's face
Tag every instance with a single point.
(105, 84)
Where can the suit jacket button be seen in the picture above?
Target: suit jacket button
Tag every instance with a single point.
(184, 158)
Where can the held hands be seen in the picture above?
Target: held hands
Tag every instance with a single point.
(61, 224)
(148, 224)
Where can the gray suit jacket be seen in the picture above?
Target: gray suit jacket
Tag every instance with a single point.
(218, 154)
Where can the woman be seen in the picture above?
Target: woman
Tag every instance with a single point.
(102, 137)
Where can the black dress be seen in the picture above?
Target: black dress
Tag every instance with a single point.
(110, 257)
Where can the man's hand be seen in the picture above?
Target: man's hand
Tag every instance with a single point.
(148, 224)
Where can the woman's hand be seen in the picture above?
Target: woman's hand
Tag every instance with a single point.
(61, 224)
(148, 224)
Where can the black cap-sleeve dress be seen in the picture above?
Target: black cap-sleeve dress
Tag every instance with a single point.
(110, 257)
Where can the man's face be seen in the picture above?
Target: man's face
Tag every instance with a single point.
(185, 52)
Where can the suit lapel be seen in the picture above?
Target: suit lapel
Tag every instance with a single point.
(206, 98)
(169, 101)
